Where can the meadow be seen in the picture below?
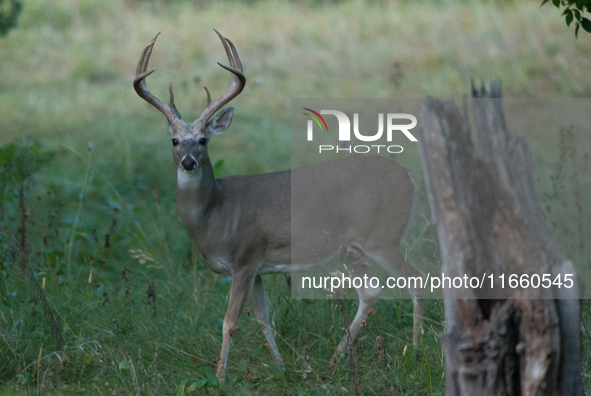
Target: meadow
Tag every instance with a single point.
(87, 188)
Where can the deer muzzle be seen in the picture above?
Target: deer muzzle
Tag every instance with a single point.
(188, 163)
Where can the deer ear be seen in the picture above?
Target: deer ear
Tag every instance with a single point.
(220, 122)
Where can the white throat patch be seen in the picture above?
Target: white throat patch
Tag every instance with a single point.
(188, 179)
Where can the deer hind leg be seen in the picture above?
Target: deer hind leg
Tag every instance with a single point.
(367, 300)
(241, 286)
(259, 304)
(394, 263)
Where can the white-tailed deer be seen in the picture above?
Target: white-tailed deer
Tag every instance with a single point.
(243, 225)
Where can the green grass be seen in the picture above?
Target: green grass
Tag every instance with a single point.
(66, 81)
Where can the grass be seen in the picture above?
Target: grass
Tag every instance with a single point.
(66, 81)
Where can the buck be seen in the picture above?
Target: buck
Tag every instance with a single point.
(244, 225)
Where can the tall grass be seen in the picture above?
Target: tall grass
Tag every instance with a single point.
(139, 310)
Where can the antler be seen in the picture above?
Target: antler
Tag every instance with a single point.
(139, 84)
(237, 85)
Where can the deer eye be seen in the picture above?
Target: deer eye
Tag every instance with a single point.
(175, 142)
(202, 141)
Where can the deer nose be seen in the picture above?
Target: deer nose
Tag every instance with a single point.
(188, 163)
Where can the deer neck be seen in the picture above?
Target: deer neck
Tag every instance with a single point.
(197, 193)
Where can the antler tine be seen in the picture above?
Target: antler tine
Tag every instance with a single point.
(143, 64)
(235, 55)
(226, 48)
(237, 85)
(139, 84)
(208, 96)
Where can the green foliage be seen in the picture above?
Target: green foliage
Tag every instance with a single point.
(9, 13)
(142, 313)
(18, 161)
(195, 386)
(557, 178)
(574, 11)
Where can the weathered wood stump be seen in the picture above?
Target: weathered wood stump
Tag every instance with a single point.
(522, 341)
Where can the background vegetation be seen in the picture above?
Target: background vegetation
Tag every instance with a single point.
(573, 12)
(87, 200)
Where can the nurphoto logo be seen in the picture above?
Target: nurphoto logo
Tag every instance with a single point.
(345, 131)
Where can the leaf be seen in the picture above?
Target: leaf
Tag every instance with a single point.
(556, 3)
(180, 389)
(569, 17)
(544, 2)
(577, 14)
(213, 381)
(123, 365)
(200, 384)
(577, 29)
(586, 25)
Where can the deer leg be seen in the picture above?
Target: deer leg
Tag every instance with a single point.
(354, 328)
(259, 304)
(419, 304)
(241, 285)
(394, 263)
(367, 300)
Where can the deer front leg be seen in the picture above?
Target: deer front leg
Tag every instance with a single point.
(241, 285)
(259, 304)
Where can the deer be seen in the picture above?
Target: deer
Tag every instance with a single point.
(243, 225)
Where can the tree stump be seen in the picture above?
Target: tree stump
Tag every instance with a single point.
(511, 341)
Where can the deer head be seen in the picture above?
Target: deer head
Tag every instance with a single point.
(189, 140)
